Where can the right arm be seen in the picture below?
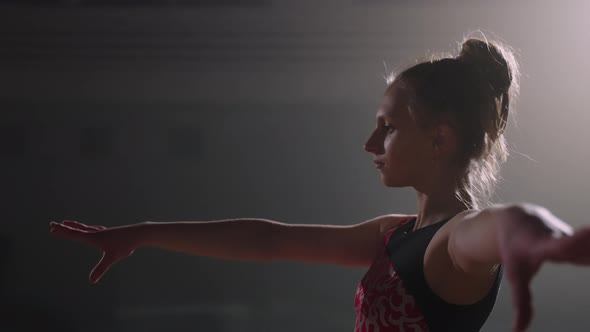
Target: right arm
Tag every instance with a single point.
(243, 239)
(267, 240)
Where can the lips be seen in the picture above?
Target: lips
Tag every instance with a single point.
(379, 164)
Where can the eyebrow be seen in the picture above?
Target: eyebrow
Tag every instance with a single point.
(383, 116)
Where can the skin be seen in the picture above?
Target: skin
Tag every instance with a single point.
(464, 252)
(461, 260)
(414, 157)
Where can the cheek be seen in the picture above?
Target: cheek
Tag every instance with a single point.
(399, 156)
(395, 148)
(406, 155)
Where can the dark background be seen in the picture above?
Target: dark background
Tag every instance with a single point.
(117, 112)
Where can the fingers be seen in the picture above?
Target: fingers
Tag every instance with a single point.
(74, 230)
(68, 232)
(555, 250)
(101, 268)
(521, 299)
(79, 225)
(573, 249)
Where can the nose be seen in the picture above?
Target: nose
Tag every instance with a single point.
(373, 145)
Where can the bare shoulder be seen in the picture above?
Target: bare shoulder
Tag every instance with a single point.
(445, 279)
(383, 223)
(441, 239)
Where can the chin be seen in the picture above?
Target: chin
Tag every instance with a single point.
(394, 181)
(394, 185)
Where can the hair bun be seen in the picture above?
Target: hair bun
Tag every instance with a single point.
(491, 60)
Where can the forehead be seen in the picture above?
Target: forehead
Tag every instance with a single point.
(393, 105)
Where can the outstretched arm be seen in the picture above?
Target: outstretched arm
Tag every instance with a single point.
(521, 237)
(235, 239)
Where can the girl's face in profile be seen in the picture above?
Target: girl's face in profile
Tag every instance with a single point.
(402, 150)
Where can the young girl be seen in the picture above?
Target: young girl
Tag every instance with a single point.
(440, 130)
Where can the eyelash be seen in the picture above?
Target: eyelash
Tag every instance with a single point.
(388, 127)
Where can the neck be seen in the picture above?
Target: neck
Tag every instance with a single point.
(437, 206)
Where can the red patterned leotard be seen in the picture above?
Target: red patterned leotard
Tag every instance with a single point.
(393, 295)
(381, 301)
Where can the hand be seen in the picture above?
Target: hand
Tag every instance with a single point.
(111, 241)
(527, 241)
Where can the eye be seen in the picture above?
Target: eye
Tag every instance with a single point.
(389, 128)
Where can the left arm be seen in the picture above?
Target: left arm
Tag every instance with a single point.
(479, 237)
(519, 236)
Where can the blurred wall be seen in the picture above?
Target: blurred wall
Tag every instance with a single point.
(120, 112)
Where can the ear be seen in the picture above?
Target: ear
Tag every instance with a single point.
(444, 141)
